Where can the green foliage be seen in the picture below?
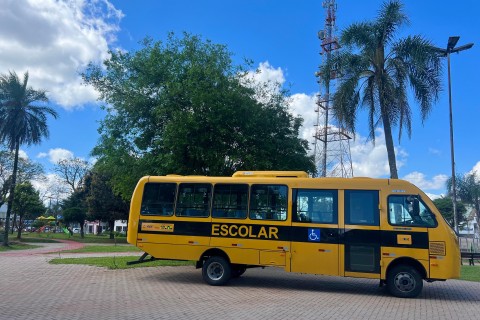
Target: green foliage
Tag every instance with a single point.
(74, 214)
(181, 106)
(376, 71)
(27, 204)
(445, 206)
(103, 203)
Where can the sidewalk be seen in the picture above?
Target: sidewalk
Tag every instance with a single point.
(33, 289)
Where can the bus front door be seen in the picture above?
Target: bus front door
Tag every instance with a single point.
(361, 237)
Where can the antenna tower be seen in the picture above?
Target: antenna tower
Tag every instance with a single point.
(331, 141)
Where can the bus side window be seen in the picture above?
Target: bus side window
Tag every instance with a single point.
(230, 201)
(158, 199)
(268, 202)
(315, 206)
(409, 210)
(361, 207)
(194, 200)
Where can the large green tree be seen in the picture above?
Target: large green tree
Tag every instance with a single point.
(445, 206)
(23, 121)
(27, 205)
(74, 208)
(376, 70)
(103, 202)
(182, 106)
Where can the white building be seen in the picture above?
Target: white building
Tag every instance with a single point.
(471, 228)
(3, 214)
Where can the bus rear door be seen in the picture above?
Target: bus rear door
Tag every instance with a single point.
(315, 246)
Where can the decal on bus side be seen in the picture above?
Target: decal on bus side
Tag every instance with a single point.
(244, 231)
(165, 227)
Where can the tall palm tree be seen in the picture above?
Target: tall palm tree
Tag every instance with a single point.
(22, 122)
(376, 71)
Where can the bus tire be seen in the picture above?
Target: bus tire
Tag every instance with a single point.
(404, 281)
(216, 271)
(238, 270)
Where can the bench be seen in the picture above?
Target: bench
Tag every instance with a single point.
(471, 256)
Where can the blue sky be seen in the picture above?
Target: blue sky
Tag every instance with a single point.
(55, 40)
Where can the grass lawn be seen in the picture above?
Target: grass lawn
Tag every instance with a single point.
(470, 273)
(89, 238)
(119, 262)
(17, 246)
(104, 248)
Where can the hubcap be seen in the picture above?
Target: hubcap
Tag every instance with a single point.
(215, 271)
(405, 282)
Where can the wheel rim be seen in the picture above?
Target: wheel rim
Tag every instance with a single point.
(405, 282)
(215, 271)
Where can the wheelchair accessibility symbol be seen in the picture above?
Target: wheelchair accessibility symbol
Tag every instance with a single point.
(313, 234)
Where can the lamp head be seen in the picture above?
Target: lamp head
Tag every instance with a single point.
(452, 42)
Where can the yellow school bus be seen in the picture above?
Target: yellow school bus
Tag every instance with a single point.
(385, 229)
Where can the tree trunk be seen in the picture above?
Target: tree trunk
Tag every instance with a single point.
(387, 128)
(20, 227)
(14, 222)
(111, 225)
(12, 194)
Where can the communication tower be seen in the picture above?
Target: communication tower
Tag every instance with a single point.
(331, 141)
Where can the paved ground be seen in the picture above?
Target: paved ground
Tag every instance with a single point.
(30, 288)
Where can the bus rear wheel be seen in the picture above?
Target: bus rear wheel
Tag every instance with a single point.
(404, 282)
(216, 271)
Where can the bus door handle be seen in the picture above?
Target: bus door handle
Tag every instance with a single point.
(192, 242)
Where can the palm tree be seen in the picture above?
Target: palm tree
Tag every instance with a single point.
(376, 71)
(22, 122)
(468, 189)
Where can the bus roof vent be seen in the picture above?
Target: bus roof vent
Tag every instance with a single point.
(271, 174)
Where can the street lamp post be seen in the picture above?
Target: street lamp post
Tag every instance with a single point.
(452, 41)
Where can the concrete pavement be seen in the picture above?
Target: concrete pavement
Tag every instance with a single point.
(31, 288)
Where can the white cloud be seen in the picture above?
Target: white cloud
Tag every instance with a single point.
(371, 160)
(57, 154)
(420, 180)
(22, 154)
(51, 187)
(266, 73)
(433, 196)
(476, 170)
(305, 105)
(265, 77)
(42, 155)
(54, 40)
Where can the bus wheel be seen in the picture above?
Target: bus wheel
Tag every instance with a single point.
(238, 270)
(216, 271)
(404, 282)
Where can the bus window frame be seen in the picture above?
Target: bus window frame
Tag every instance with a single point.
(347, 208)
(267, 184)
(174, 205)
(295, 192)
(209, 210)
(247, 209)
(416, 225)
